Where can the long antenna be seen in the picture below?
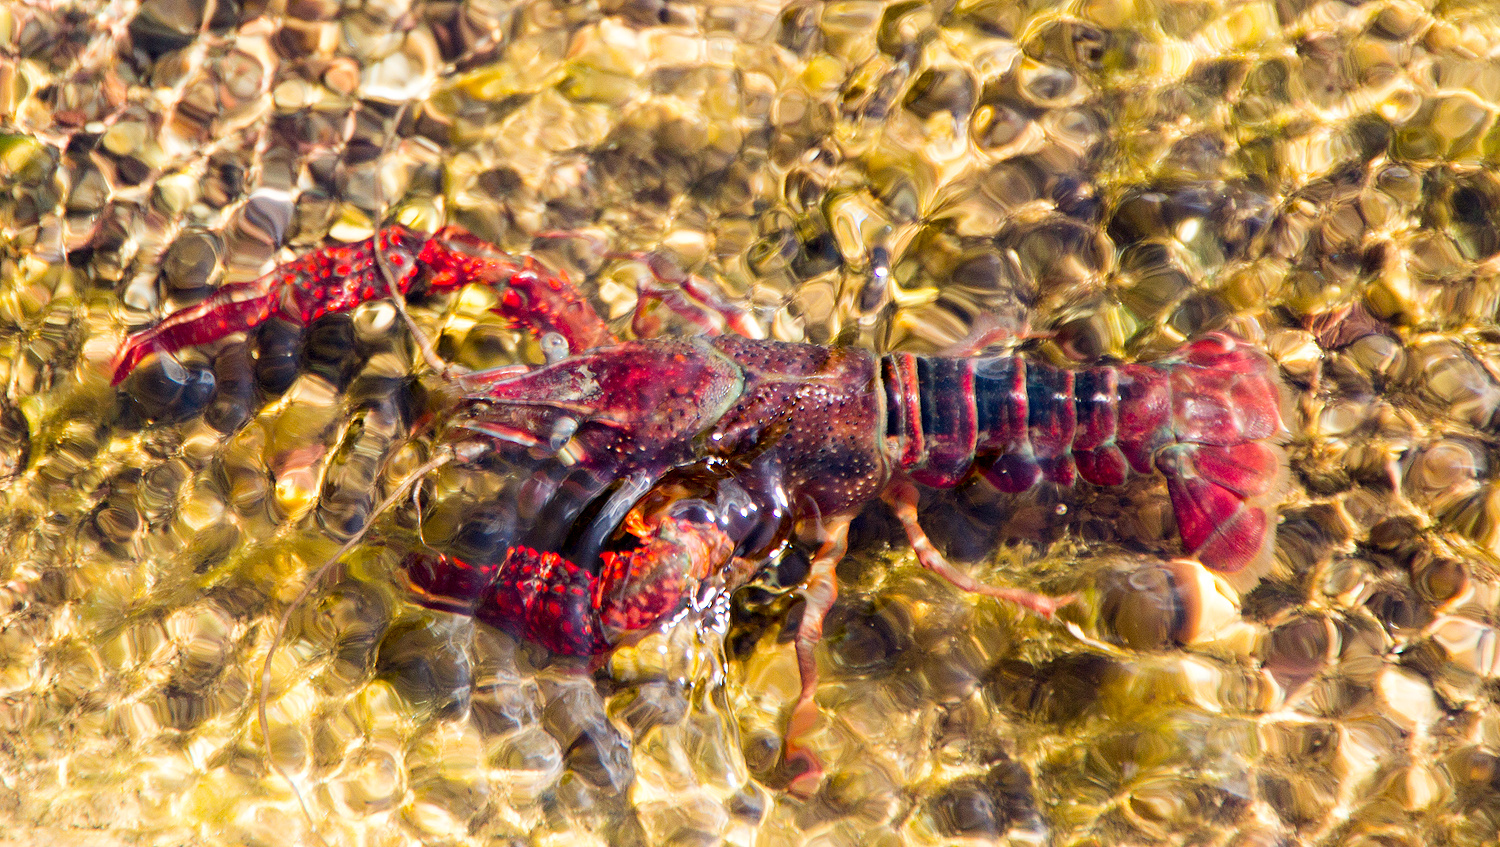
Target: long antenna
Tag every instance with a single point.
(444, 456)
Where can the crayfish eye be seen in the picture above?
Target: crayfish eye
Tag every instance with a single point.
(562, 432)
(554, 347)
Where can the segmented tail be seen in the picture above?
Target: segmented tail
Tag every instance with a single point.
(1205, 417)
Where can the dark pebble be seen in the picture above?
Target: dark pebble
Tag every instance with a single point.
(654, 704)
(234, 403)
(15, 441)
(426, 667)
(330, 350)
(276, 355)
(167, 390)
(601, 756)
(867, 637)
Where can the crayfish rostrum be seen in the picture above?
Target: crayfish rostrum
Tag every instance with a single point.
(710, 454)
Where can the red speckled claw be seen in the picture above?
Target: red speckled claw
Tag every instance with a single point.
(334, 279)
(638, 587)
(231, 309)
(546, 599)
(538, 597)
(339, 277)
(448, 582)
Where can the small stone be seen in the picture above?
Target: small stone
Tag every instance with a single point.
(1155, 607)
(1408, 699)
(165, 389)
(1472, 646)
(1300, 649)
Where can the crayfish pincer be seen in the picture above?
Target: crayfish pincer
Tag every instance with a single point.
(664, 465)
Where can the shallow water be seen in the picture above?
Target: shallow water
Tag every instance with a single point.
(1110, 177)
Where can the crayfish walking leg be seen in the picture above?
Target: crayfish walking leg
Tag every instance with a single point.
(902, 498)
(819, 591)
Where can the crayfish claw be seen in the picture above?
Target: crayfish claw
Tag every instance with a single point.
(233, 308)
(676, 553)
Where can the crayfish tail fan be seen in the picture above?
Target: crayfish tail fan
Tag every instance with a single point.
(1226, 469)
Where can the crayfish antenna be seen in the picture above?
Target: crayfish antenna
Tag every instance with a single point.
(398, 296)
(445, 456)
(424, 344)
(690, 297)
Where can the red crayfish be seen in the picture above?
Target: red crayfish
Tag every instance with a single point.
(708, 455)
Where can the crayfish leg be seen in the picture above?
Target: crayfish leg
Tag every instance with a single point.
(532, 297)
(988, 331)
(902, 497)
(818, 592)
(692, 299)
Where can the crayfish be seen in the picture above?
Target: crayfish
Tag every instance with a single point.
(712, 454)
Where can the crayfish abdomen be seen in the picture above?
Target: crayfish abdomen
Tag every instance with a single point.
(1204, 417)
